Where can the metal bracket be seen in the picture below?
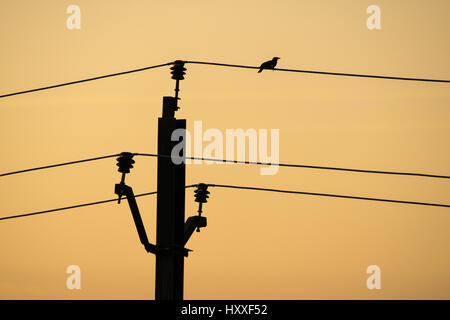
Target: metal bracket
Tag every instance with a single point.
(191, 224)
(173, 249)
(122, 189)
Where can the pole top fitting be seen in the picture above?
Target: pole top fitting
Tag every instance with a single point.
(170, 105)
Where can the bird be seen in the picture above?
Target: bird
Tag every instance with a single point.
(269, 64)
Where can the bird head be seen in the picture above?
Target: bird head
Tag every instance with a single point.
(275, 58)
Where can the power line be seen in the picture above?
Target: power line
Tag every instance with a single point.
(236, 187)
(329, 195)
(85, 80)
(320, 72)
(58, 165)
(427, 175)
(226, 65)
(78, 206)
(71, 207)
(302, 166)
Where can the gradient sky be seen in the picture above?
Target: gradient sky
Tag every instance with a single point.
(257, 245)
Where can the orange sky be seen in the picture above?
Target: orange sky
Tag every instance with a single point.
(257, 245)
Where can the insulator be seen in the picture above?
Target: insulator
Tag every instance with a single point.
(178, 70)
(201, 193)
(125, 162)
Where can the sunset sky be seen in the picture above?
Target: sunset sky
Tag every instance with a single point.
(257, 245)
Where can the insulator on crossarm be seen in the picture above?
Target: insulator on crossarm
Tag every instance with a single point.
(201, 193)
(201, 196)
(125, 162)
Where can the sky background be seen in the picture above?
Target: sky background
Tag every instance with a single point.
(256, 245)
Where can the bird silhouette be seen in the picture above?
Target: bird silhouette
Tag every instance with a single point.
(269, 64)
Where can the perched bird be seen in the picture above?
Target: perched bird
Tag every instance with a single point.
(269, 64)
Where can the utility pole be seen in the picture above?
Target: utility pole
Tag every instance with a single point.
(170, 209)
(172, 233)
(170, 201)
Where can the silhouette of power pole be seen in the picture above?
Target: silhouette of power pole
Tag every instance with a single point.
(172, 233)
(170, 201)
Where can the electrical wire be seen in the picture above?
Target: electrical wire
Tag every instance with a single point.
(225, 65)
(85, 80)
(79, 205)
(236, 187)
(320, 72)
(427, 175)
(72, 207)
(329, 195)
(301, 166)
(58, 165)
